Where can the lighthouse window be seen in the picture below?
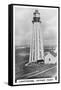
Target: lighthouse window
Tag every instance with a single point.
(49, 59)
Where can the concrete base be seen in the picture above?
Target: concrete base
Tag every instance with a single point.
(37, 62)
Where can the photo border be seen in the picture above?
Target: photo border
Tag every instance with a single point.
(10, 44)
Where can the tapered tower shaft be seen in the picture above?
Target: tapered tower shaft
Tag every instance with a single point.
(36, 48)
(36, 45)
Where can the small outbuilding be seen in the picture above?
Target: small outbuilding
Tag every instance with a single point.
(50, 58)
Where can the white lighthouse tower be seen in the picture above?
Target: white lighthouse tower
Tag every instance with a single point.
(36, 45)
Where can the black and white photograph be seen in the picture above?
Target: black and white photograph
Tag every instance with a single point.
(35, 44)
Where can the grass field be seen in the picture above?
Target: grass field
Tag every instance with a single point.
(31, 71)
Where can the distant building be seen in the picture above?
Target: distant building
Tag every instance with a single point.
(50, 58)
(55, 50)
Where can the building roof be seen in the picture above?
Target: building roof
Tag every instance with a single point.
(51, 52)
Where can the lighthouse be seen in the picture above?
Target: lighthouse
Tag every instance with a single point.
(36, 45)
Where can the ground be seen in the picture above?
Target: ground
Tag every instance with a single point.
(33, 70)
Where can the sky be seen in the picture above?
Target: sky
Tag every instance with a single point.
(23, 25)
